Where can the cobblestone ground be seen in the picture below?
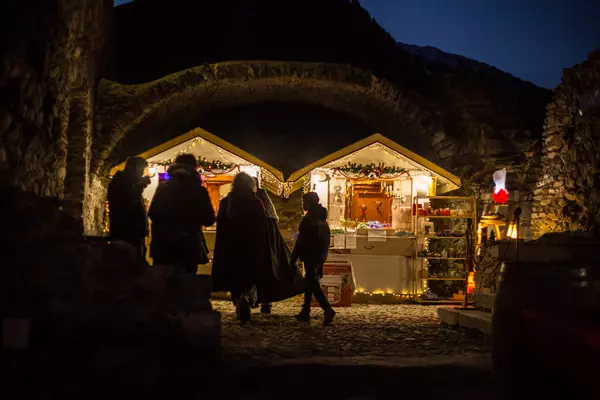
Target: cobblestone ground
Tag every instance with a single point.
(363, 331)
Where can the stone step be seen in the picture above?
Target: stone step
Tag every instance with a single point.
(485, 301)
(471, 319)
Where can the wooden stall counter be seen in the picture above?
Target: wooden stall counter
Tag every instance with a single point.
(389, 245)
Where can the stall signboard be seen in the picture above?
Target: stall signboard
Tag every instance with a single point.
(377, 235)
(339, 241)
(351, 241)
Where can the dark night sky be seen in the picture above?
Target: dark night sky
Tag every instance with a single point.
(531, 39)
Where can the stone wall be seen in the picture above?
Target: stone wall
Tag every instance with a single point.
(290, 214)
(93, 206)
(48, 75)
(567, 196)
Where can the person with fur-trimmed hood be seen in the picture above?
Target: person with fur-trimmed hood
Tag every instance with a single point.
(242, 256)
(282, 280)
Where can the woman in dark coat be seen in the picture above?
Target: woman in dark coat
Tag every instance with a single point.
(284, 279)
(241, 247)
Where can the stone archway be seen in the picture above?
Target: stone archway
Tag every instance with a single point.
(131, 110)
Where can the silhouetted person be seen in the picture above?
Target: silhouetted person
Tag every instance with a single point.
(282, 279)
(127, 210)
(241, 247)
(180, 208)
(312, 248)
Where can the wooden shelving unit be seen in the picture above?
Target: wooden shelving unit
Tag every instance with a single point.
(444, 279)
(423, 240)
(441, 301)
(440, 237)
(445, 217)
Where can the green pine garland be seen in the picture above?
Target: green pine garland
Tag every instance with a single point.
(377, 169)
(214, 165)
(204, 164)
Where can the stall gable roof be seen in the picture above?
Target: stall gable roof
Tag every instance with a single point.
(201, 133)
(373, 139)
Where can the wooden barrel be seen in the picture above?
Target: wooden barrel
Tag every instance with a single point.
(546, 286)
(536, 321)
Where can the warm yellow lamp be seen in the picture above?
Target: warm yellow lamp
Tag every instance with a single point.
(512, 231)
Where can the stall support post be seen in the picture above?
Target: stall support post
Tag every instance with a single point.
(470, 258)
(517, 219)
(468, 264)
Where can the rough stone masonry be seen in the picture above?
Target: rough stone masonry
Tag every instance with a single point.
(48, 78)
(567, 194)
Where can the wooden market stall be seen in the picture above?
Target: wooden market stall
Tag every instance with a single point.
(387, 212)
(219, 161)
(373, 190)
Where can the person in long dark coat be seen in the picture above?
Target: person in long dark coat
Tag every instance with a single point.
(180, 208)
(127, 210)
(241, 247)
(285, 278)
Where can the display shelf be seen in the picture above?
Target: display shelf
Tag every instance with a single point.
(422, 301)
(387, 237)
(444, 279)
(467, 207)
(445, 217)
(508, 203)
(446, 197)
(441, 237)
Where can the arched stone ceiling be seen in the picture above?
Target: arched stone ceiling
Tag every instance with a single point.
(137, 110)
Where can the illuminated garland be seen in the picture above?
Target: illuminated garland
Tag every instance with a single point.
(267, 176)
(214, 165)
(204, 164)
(306, 185)
(287, 189)
(372, 169)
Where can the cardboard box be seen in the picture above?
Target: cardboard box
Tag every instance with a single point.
(337, 282)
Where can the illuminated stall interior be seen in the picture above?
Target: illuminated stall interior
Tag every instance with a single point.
(219, 161)
(369, 189)
(372, 183)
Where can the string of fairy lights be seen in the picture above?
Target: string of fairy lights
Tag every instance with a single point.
(283, 188)
(226, 157)
(171, 160)
(382, 293)
(413, 166)
(106, 227)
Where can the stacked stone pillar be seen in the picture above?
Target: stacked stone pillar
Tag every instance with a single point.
(565, 197)
(548, 195)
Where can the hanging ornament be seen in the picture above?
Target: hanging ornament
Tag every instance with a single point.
(338, 193)
(400, 196)
(363, 212)
(500, 194)
(378, 205)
